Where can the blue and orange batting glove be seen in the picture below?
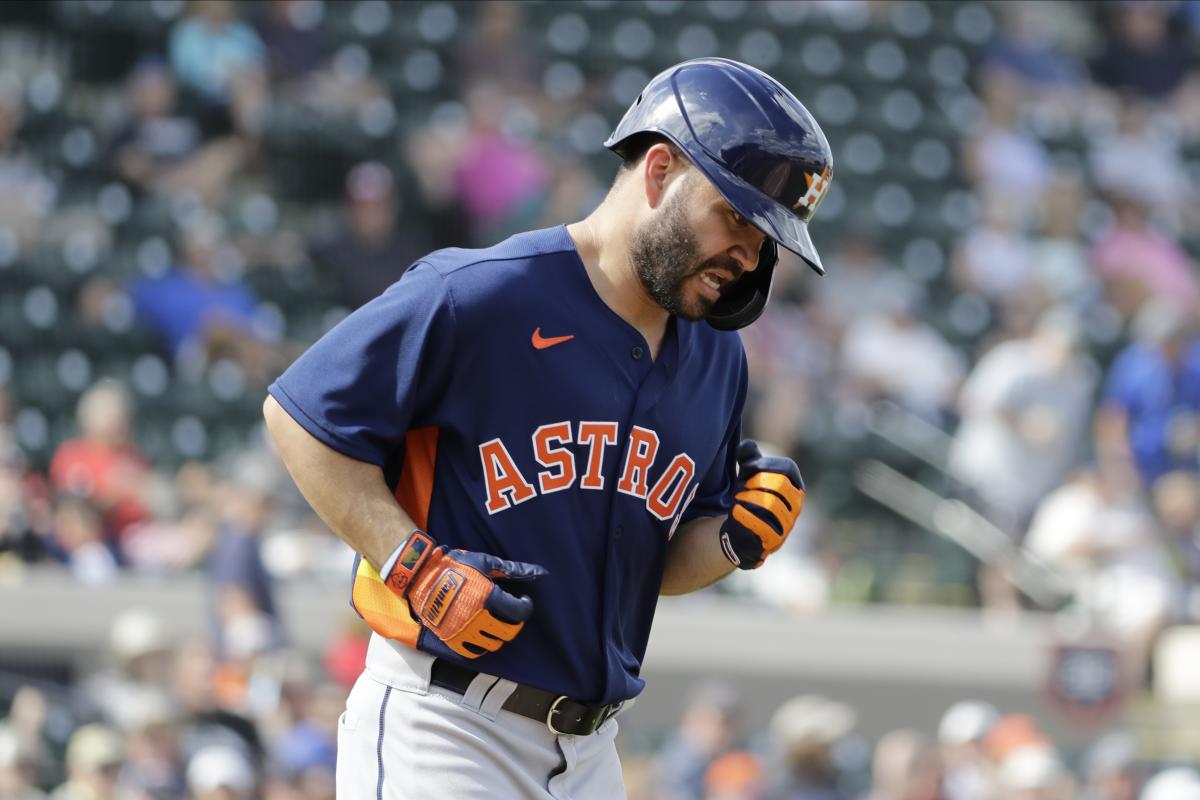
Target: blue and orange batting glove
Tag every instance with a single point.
(454, 595)
(768, 497)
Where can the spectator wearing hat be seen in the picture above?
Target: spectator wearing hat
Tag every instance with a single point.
(1173, 783)
(95, 754)
(221, 773)
(706, 731)
(138, 674)
(371, 249)
(803, 733)
(960, 736)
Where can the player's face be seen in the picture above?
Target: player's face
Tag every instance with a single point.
(693, 249)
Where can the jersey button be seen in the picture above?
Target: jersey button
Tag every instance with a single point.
(636, 352)
(619, 532)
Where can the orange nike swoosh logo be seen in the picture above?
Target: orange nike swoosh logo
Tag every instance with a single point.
(541, 342)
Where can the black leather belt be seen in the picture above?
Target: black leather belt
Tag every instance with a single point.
(561, 714)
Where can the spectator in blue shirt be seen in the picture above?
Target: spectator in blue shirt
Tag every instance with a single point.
(1149, 413)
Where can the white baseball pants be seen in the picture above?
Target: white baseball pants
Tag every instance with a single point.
(402, 739)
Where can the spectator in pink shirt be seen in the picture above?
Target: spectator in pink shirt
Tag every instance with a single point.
(1138, 262)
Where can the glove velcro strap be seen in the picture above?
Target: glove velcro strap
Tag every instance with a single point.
(406, 561)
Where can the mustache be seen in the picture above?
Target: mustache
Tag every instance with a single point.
(723, 263)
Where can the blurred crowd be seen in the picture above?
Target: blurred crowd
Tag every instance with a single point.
(1036, 357)
(812, 751)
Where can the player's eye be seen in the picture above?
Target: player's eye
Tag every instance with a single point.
(737, 219)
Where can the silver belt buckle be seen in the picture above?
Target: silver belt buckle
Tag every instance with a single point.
(550, 716)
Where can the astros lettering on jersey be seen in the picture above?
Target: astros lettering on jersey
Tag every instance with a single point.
(584, 454)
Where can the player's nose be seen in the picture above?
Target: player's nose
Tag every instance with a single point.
(746, 249)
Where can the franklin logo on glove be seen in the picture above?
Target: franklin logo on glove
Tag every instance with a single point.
(454, 595)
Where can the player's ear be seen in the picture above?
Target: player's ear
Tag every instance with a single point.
(657, 166)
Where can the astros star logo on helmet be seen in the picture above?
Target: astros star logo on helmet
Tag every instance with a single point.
(818, 185)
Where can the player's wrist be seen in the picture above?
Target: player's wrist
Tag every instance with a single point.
(402, 566)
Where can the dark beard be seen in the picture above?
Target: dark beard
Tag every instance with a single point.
(665, 253)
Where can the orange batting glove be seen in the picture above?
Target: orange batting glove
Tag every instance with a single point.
(454, 595)
(768, 498)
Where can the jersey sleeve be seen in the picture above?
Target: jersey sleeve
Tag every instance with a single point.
(714, 495)
(378, 373)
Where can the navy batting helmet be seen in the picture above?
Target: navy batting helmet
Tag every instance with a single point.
(757, 144)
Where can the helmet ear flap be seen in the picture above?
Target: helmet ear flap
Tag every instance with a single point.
(745, 300)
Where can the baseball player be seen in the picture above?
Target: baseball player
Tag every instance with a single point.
(528, 444)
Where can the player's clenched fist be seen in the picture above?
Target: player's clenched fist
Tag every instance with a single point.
(453, 593)
(768, 497)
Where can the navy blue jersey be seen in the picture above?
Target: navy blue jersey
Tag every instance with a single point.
(514, 413)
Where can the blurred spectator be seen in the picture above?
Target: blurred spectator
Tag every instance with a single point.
(21, 493)
(220, 59)
(1140, 53)
(857, 280)
(1160, 180)
(203, 721)
(153, 767)
(706, 731)
(1138, 262)
(1027, 765)
(94, 757)
(203, 314)
(497, 50)
(803, 733)
(137, 676)
(103, 465)
(1095, 531)
(1149, 413)
(374, 248)
(27, 196)
(500, 180)
(432, 155)
(960, 735)
(221, 773)
(896, 356)
(787, 380)
(1060, 266)
(1176, 498)
(300, 66)
(906, 767)
(1173, 783)
(292, 38)
(1001, 158)
(1023, 419)
(306, 753)
(163, 150)
(996, 258)
(346, 653)
(179, 538)
(245, 614)
(1028, 48)
(79, 538)
(19, 767)
(736, 775)
(1110, 770)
